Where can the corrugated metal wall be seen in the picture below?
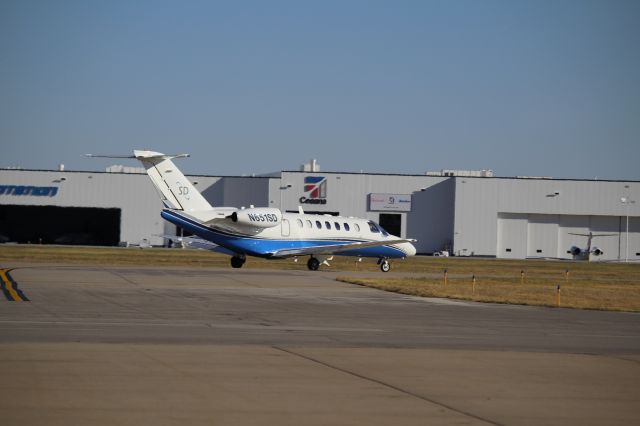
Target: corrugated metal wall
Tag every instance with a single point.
(133, 194)
(431, 220)
(514, 218)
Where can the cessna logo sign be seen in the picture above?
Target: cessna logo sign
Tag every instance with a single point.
(315, 190)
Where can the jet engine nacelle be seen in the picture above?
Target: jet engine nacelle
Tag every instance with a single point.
(575, 251)
(260, 218)
(597, 252)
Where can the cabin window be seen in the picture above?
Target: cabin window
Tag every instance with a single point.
(346, 226)
(327, 225)
(299, 223)
(337, 225)
(357, 227)
(318, 224)
(309, 225)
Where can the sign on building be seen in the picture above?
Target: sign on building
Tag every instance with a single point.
(390, 202)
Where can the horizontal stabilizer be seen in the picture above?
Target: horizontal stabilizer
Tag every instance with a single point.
(139, 154)
(108, 156)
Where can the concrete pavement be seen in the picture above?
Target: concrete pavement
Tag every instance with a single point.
(114, 345)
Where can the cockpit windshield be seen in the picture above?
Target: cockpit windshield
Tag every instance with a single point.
(377, 229)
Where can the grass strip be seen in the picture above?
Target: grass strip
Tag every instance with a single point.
(611, 294)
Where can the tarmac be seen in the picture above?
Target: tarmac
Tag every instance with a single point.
(168, 346)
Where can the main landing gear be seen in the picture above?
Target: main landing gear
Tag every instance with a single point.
(238, 261)
(313, 264)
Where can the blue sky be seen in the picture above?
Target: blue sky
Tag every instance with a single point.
(543, 88)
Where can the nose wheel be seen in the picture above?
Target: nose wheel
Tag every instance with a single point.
(385, 266)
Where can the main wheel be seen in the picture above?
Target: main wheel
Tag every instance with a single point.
(237, 262)
(385, 266)
(313, 264)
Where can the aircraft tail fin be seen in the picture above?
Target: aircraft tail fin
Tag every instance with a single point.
(176, 190)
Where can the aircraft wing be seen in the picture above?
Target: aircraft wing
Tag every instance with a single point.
(335, 248)
(198, 243)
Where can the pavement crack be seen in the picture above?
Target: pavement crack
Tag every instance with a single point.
(121, 276)
(387, 385)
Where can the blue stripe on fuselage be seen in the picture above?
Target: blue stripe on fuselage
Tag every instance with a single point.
(264, 247)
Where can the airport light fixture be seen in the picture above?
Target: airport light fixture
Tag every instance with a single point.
(627, 201)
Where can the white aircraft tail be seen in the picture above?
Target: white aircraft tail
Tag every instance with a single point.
(176, 190)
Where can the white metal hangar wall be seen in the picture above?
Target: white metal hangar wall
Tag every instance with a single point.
(100, 208)
(525, 218)
(65, 207)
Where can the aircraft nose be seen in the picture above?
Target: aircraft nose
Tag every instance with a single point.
(408, 248)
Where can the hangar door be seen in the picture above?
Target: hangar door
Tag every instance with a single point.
(60, 225)
(527, 235)
(542, 236)
(512, 236)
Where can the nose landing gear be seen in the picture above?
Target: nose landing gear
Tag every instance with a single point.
(385, 266)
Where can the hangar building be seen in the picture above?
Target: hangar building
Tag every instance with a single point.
(102, 208)
(468, 214)
(527, 218)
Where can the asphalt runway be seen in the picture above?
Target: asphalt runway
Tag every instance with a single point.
(165, 346)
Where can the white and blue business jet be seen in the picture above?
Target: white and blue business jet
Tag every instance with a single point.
(266, 232)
